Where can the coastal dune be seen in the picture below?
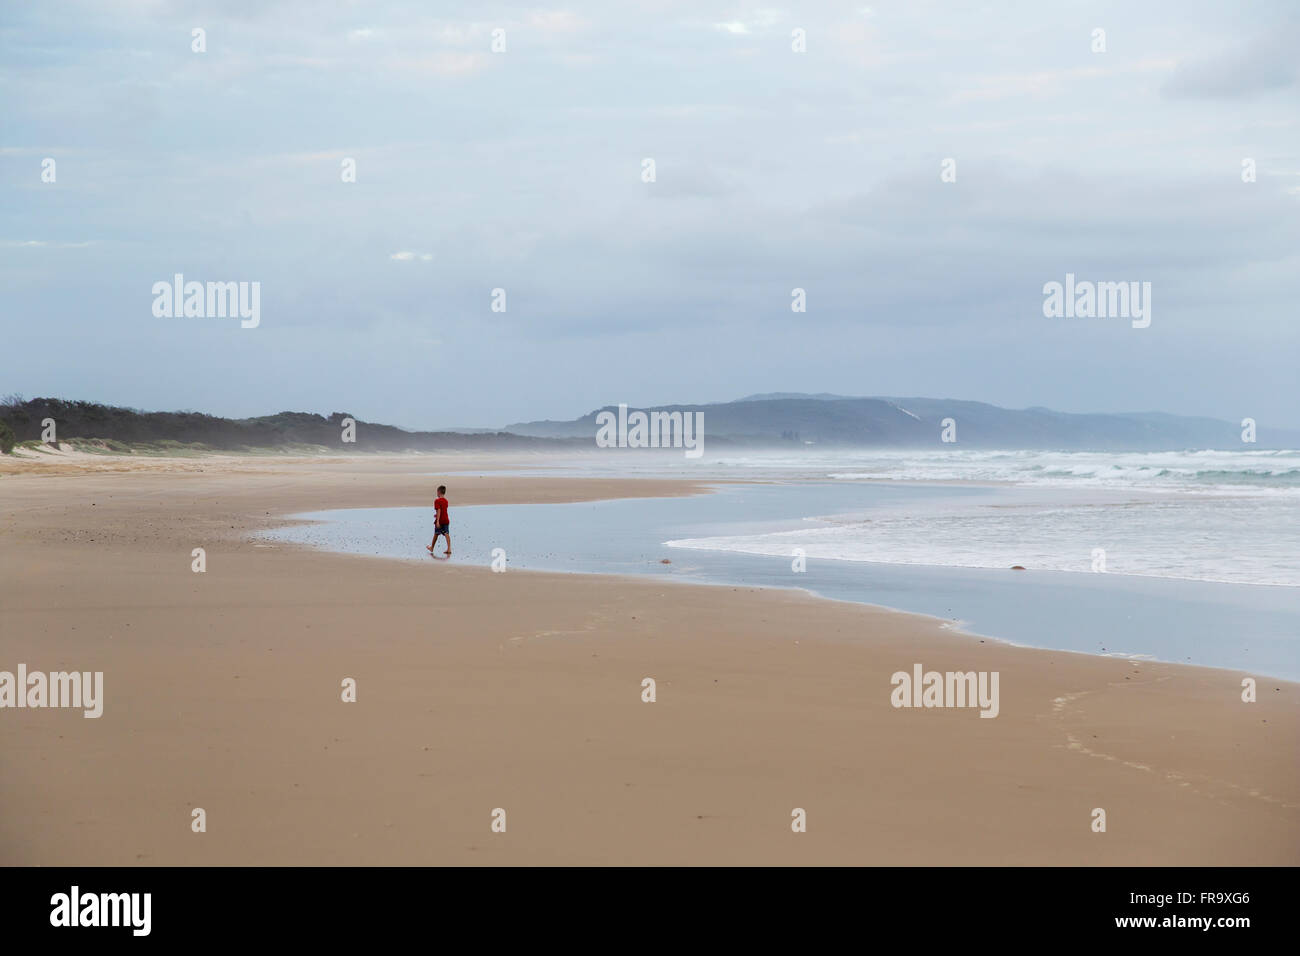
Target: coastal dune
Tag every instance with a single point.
(522, 692)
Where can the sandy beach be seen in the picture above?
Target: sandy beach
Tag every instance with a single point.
(522, 691)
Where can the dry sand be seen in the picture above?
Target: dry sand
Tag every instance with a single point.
(523, 691)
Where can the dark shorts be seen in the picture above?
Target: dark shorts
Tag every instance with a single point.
(442, 529)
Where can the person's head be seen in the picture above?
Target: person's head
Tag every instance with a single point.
(442, 489)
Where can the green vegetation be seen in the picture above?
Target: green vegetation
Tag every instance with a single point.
(166, 447)
(110, 430)
(7, 438)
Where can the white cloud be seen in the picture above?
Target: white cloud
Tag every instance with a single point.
(1049, 82)
(46, 244)
(408, 256)
(443, 63)
(557, 21)
(759, 20)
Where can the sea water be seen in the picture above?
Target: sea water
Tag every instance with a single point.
(1205, 574)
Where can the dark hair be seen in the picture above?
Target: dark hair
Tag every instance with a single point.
(442, 489)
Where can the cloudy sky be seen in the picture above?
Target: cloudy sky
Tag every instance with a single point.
(774, 170)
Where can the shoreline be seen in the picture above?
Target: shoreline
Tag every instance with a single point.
(342, 529)
(945, 624)
(479, 690)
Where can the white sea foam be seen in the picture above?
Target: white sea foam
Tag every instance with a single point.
(1210, 471)
(1199, 515)
(1263, 473)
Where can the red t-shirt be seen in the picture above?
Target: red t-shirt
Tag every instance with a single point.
(441, 506)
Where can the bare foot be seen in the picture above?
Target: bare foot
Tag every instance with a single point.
(448, 551)
(429, 548)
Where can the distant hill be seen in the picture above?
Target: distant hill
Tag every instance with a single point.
(781, 419)
(772, 396)
(793, 419)
(126, 427)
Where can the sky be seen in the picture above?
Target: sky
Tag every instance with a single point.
(524, 169)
